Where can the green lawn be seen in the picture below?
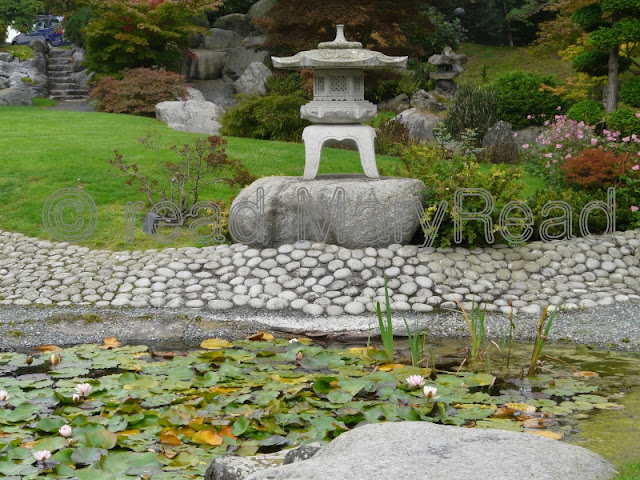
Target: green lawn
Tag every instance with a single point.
(46, 150)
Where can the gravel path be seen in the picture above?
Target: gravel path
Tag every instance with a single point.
(613, 326)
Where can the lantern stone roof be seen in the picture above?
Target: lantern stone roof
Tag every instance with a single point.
(340, 54)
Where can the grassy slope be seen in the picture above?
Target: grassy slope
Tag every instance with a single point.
(46, 150)
(504, 59)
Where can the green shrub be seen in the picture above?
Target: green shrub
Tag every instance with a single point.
(391, 137)
(576, 199)
(269, 117)
(623, 120)
(283, 83)
(21, 52)
(524, 100)
(588, 111)
(443, 172)
(75, 23)
(630, 92)
(473, 107)
(138, 91)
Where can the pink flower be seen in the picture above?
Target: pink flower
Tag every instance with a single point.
(548, 155)
(580, 135)
(525, 146)
(547, 122)
(559, 108)
(558, 145)
(635, 138)
(542, 115)
(529, 117)
(42, 455)
(65, 431)
(568, 156)
(83, 389)
(634, 208)
(430, 392)
(626, 139)
(415, 380)
(638, 114)
(635, 167)
(594, 141)
(548, 165)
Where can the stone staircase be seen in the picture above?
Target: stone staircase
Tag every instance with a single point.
(61, 84)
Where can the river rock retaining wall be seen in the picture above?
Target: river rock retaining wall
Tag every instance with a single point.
(320, 279)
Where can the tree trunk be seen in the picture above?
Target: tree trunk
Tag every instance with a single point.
(611, 92)
(507, 24)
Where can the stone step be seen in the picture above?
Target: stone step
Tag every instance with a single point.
(66, 62)
(60, 68)
(68, 97)
(62, 82)
(58, 74)
(72, 92)
(59, 52)
(63, 87)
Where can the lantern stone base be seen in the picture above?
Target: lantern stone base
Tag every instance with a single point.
(349, 210)
(315, 136)
(344, 112)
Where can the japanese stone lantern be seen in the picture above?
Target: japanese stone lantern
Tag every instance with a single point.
(338, 107)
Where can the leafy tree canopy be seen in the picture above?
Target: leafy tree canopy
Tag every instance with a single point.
(141, 33)
(384, 25)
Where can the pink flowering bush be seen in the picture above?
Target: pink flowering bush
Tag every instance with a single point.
(570, 156)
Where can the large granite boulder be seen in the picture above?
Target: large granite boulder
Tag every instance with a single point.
(424, 100)
(261, 8)
(253, 80)
(400, 103)
(500, 145)
(221, 92)
(419, 123)
(292, 209)
(15, 96)
(423, 450)
(191, 116)
(240, 58)
(220, 39)
(238, 22)
(207, 65)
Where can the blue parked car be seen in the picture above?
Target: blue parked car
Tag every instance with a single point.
(48, 28)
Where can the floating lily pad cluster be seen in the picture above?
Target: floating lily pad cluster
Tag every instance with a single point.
(167, 415)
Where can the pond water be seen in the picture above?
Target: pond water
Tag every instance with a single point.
(189, 405)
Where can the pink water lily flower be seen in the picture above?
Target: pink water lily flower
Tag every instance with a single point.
(430, 392)
(3, 395)
(65, 431)
(42, 455)
(415, 380)
(83, 389)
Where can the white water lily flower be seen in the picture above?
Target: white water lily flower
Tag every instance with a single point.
(415, 380)
(430, 392)
(65, 431)
(3, 395)
(83, 389)
(42, 455)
